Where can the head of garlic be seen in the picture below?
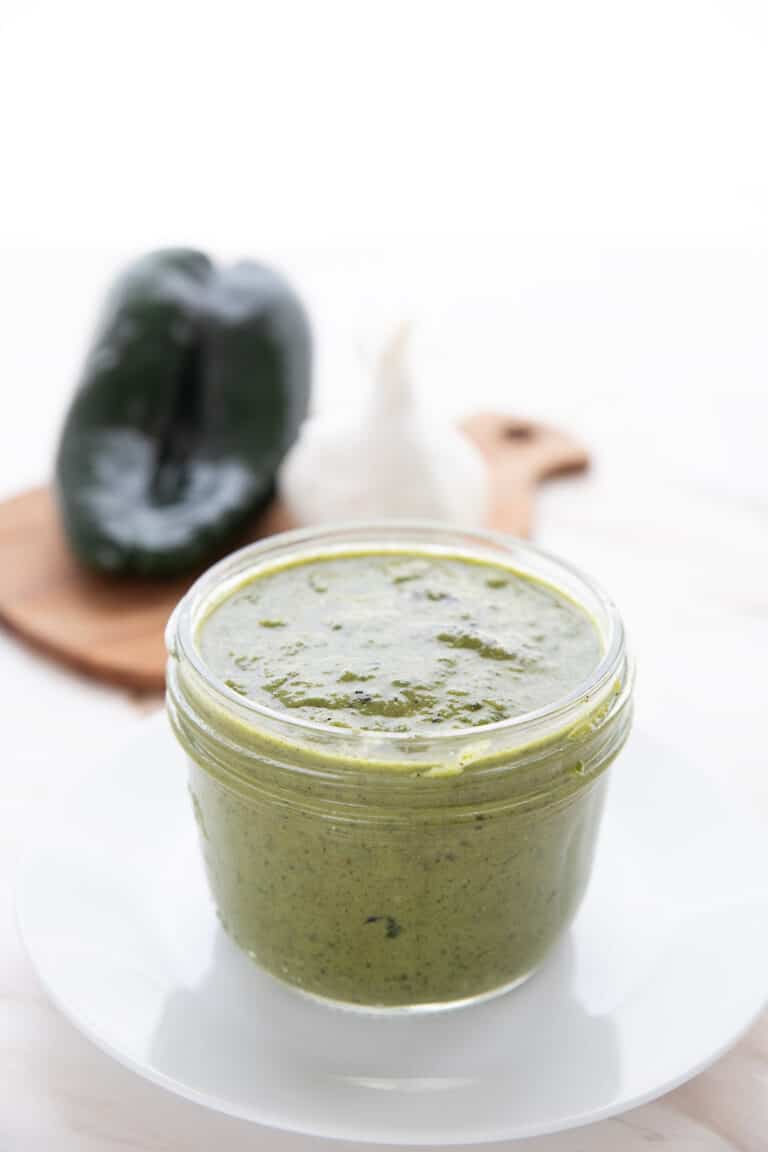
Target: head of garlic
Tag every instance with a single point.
(392, 464)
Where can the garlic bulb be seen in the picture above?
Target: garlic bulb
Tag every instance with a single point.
(393, 464)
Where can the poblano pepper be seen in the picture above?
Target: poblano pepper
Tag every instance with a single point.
(193, 391)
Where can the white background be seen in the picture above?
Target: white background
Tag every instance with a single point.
(569, 201)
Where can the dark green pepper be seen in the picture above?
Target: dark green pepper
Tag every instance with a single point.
(193, 391)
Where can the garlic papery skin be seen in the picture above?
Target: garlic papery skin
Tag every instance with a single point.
(392, 464)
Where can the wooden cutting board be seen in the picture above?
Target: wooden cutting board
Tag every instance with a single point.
(112, 628)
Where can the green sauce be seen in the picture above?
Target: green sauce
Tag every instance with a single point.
(399, 642)
(439, 880)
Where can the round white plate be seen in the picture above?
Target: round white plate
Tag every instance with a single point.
(665, 966)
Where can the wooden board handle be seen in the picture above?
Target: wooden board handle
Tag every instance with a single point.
(520, 454)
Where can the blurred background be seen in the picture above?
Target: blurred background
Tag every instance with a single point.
(568, 203)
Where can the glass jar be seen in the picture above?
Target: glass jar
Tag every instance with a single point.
(392, 869)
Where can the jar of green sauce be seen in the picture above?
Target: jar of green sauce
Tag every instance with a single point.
(398, 739)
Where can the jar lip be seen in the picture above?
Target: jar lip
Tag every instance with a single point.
(180, 638)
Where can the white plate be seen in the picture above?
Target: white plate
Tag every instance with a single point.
(665, 966)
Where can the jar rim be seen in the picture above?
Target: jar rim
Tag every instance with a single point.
(402, 535)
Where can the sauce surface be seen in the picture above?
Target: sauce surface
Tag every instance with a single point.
(399, 641)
